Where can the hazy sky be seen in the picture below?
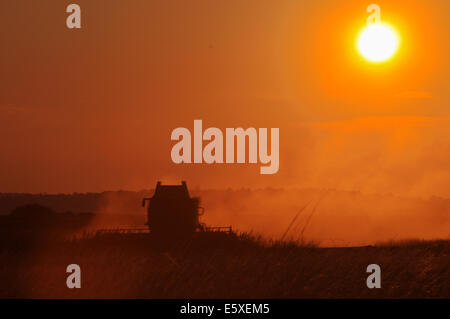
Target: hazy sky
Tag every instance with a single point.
(93, 109)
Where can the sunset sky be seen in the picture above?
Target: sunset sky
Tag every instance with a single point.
(93, 109)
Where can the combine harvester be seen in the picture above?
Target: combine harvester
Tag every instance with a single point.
(171, 212)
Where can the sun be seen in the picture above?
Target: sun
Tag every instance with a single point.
(378, 42)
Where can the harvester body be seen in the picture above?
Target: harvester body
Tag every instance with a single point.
(171, 211)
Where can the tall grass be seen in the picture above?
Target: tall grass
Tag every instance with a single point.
(220, 266)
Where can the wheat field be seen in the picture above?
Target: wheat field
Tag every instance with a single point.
(219, 266)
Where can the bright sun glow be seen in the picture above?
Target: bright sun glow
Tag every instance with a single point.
(378, 42)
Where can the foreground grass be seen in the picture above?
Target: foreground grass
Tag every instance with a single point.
(221, 266)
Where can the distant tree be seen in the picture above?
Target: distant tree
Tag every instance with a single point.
(32, 211)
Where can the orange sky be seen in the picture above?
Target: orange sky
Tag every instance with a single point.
(93, 109)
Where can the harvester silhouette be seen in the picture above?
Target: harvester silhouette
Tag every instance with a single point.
(172, 212)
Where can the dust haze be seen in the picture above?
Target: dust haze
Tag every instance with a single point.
(354, 182)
